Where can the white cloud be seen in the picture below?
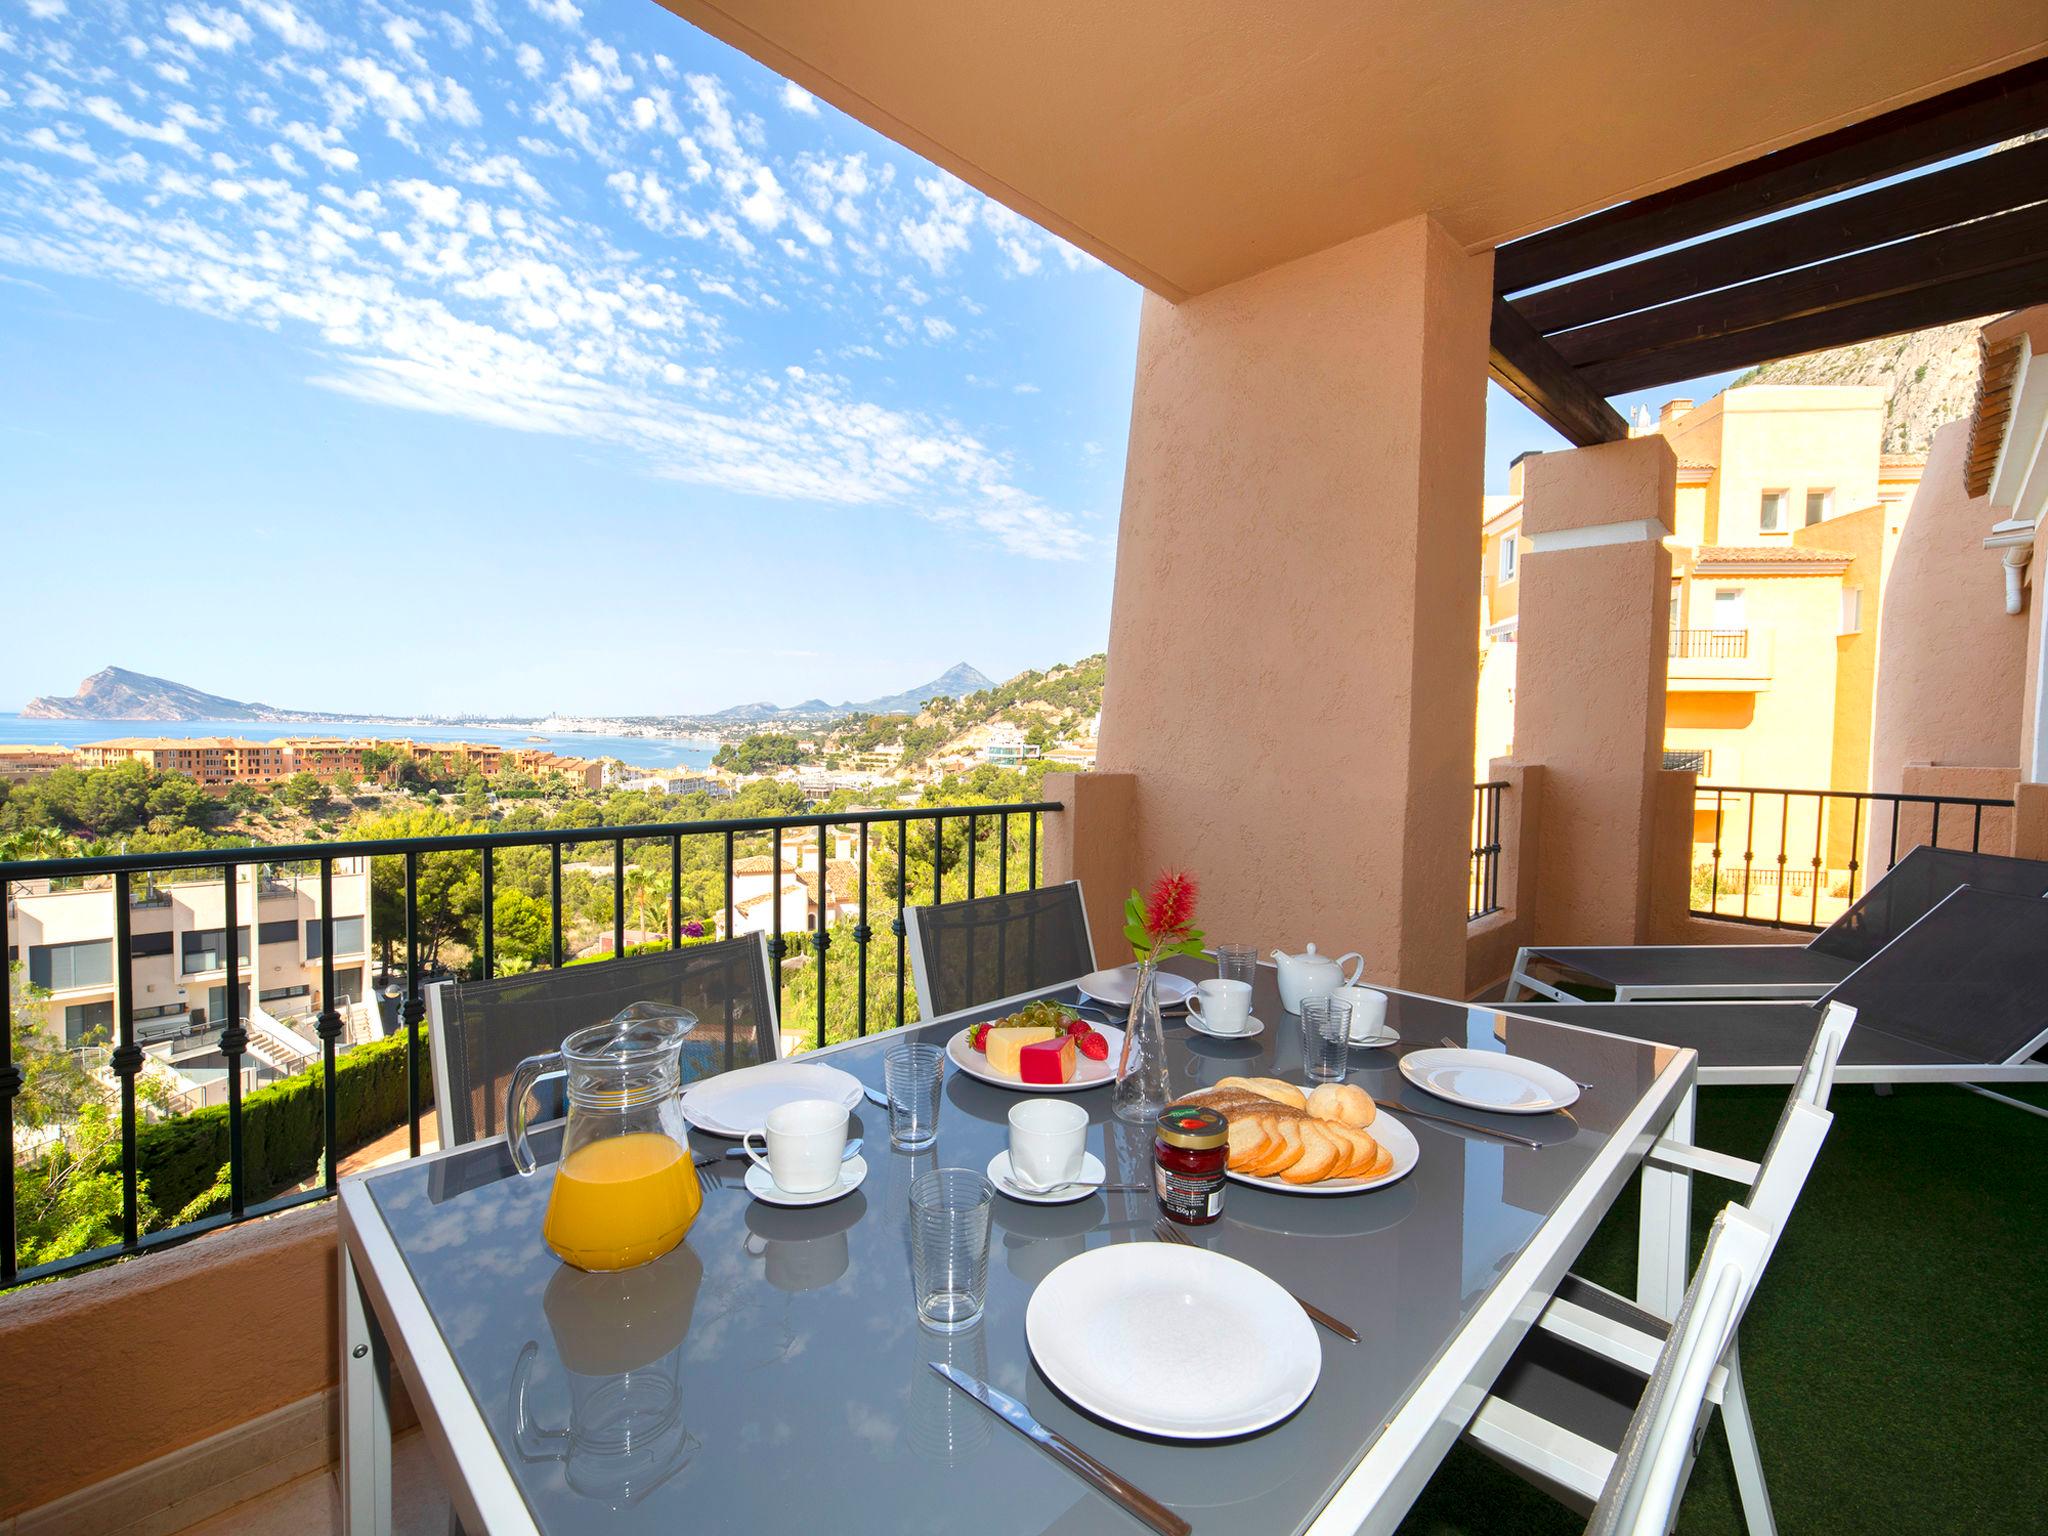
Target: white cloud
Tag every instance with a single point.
(563, 13)
(530, 61)
(170, 131)
(211, 27)
(287, 23)
(942, 233)
(324, 144)
(797, 99)
(46, 10)
(937, 329)
(405, 35)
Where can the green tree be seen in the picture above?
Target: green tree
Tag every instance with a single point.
(303, 793)
(450, 885)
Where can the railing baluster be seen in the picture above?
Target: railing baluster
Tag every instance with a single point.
(1893, 858)
(413, 1001)
(822, 938)
(618, 898)
(938, 859)
(1748, 855)
(1784, 833)
(126, 1060)
(1003, 877)
(1977, 830)
(10, 1087)
(775, 912)
(490, 936)
(973, 835)
(1820, 821)
(555, 900)
(902, 874)
(1031, 857)
(728, 886)
(234, 1040)
(329, 1030)
(1714, 895)
(1855, 844)
(1934, 837)
(675, 892)
(861, 934)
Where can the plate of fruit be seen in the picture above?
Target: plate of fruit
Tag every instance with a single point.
(1041, 1048)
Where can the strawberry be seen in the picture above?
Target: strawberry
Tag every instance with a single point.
(1095, 1047)
(1079, 1027)
(979, 1038)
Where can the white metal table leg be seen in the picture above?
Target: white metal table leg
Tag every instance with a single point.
(1742, 1450)
(365, 1412)
(1664, 1237)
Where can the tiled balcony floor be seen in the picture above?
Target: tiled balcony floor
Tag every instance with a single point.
(1894, 1355)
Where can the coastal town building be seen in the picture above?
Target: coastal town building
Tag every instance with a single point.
(222, 760)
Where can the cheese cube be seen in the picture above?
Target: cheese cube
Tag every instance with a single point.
(1004, 1044)
(1047, 1061)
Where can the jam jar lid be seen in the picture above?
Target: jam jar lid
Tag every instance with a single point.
(1192, 1126)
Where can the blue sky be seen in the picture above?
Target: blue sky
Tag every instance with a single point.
(526, 355)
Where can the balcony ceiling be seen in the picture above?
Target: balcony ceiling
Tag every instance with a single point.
(1189, 143)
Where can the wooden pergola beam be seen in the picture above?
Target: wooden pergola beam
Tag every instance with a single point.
(1529, 368)
(1925, 262)
(2003, 106)
(1976, 189)
(1963, 298)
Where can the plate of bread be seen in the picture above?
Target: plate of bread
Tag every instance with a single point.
(1330, 1139)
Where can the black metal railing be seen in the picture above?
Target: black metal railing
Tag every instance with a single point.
(1483, 887)
(1709, 644)
(1806, 847)
(126, 1058)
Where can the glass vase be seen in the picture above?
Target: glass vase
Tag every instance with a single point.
(1141, 1088)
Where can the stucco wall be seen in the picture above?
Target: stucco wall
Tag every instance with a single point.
(111, 1369)
(1589, 701)
(1293, 643)
(1095, 840)
(1951, 661)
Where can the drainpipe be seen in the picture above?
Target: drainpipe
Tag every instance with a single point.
(2016, 539)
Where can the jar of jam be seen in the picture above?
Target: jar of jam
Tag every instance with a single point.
(1189, 1150)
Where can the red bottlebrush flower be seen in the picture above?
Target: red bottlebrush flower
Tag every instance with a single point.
(1170, 906)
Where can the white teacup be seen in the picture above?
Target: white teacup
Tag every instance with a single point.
(1224, 1007)
(1048, 1139)
(1368, 1013)
(805, 1139)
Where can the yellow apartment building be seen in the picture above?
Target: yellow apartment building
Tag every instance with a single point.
(1786, 515)
(219, 760)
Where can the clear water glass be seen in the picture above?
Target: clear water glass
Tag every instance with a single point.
(950, 1211)
(1237, 962)
(914, 1076)
(1325, 1038)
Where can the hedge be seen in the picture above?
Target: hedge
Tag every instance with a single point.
(282, 1129)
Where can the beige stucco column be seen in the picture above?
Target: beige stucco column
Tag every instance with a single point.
(1293, 648)
(1590, 668)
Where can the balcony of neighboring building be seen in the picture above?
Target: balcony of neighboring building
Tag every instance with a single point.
(1720, 661)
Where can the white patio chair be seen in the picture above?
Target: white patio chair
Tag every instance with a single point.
(1592, 1349)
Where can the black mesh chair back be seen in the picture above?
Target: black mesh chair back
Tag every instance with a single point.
(482, 1030)
(1914, 886)
(1970, 978)
(968, 952)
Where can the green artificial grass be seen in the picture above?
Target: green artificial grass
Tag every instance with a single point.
(1898, 1352)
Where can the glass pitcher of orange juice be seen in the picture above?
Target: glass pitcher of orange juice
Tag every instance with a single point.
(625, 1190)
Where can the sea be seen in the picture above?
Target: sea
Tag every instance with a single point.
(634, 751)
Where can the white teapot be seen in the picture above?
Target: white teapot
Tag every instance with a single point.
(1309, 974)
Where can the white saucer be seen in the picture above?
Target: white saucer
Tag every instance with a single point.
(1092, 1175)
(765, 1189)
(1373, 1042)
(1254, 1025)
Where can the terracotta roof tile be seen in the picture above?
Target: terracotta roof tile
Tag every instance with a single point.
(1768, 554)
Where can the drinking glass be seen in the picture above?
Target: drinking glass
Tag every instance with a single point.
(1237, 962)
(949, 1226)
(914, 1075)
(1325, 1038)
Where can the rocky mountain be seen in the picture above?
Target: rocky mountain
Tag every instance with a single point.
(955, 682)
(115, 693)
(1931, 376)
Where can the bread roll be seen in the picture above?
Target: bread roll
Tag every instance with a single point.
(1344, 1102)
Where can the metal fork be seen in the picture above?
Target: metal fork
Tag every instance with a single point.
(1167, 1232)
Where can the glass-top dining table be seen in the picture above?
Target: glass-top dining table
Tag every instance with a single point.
(777, 1380)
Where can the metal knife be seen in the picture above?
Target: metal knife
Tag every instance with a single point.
(1065, 1452)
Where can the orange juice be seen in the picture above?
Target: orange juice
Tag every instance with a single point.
(621, 1201)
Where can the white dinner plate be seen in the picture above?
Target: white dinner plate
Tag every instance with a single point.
(1092, 1175)
(762, 1186)
(1508, 1085)
(1171, 1340)
(1387, 1131)
(1087, 1073)
(734, 1103)
(1253, 1026)
(1115, 987)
